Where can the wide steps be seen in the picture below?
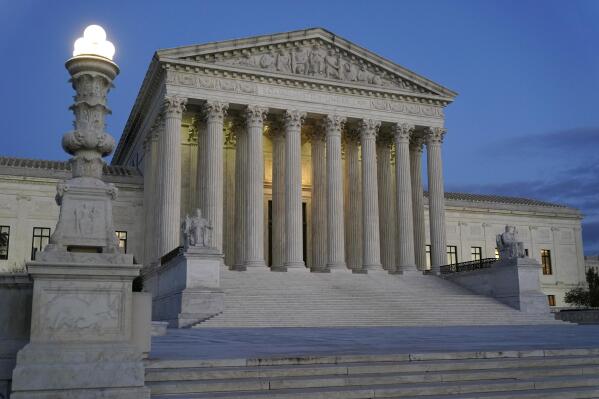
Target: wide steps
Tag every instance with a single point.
(502, 375)
(302, 299)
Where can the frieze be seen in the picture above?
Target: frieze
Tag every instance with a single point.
(267, 90)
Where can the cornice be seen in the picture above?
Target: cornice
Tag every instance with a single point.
(300, 81)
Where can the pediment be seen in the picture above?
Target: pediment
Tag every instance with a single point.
(313, 54)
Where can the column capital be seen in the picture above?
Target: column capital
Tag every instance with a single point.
(214, 110)
(369, 128)
(434, 135)
(352, 134)
(315, 132)
(275, 128)
(402, 132)
(294, 119)
(173, 106)
(385, 138)
(416, 143)
(334, 124)
(255, 114)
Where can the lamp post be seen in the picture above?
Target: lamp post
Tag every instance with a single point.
(82, 318)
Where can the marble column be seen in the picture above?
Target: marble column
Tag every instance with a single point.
(418, 201)
(354, 202)
(229, 193)
(319, 199)
(436, 198)
(371, 255)
(150, 158)
(213, 161)
(240, 192)
(386, 203)
(254, 222)
(277, 135)
(405, 222)
(169, 207)
(335, 223)
(293, 189)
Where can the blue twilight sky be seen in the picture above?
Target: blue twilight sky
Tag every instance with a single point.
(525, 123)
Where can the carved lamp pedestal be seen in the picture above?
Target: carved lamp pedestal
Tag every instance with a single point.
(81, 327)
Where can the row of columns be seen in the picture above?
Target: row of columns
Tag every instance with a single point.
(370, 207)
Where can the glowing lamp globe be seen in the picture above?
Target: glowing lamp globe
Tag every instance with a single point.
(94, 42)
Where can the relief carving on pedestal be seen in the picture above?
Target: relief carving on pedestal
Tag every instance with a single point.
(196, 231)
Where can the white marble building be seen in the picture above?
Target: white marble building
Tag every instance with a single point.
(303, 150)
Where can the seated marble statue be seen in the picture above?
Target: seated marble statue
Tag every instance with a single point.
(509, 245)
(197, 231)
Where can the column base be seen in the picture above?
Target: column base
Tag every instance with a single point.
(294, 265)
(336, 267)
(373, 267)
(255, 264)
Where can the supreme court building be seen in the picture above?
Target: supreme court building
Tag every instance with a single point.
(303, 151)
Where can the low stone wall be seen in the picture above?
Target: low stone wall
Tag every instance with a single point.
(16, 291)
(578, 316)
(514, 282)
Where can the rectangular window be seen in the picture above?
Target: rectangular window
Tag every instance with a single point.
(41, 238)
(476, 253)
(551, 300)
(428, 257)
(526, 252)
(4, 241)
(546, 261)
(122, 237)
(452, 255)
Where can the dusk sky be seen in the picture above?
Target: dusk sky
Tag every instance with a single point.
(525, 122)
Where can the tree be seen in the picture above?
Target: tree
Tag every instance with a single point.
(582, 297)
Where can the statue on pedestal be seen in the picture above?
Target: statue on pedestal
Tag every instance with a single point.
(197, 231)
(509, 245)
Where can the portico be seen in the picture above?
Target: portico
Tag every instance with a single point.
(310, 120)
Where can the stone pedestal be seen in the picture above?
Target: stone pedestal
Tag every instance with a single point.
(513, 281)
(186, 287)
(81, 329)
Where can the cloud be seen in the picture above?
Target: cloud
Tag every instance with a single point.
(576, 186)
(578, 139)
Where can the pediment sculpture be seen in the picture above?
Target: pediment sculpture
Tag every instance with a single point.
(196, 231)
(319, 60)
(509, 244)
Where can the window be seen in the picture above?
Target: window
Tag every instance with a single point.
(551, 300)
(4, 240)
(452, 254)
(476, 253)
(122, 237)
(41, 237)
(546, 261)
(496, 253)
(428, 257)
(526, 252)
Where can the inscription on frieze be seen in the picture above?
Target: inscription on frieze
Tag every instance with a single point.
(265, 90)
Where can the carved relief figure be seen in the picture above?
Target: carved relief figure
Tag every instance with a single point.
(509, 245)
(316, 61)
(197, 231)
(350, 72)
(332, 65)
(283, 62)
(267, 61)
(300, 59)
(363, 74)
(84, 219)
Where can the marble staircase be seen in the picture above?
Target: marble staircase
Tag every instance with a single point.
(537, 374)
(340, 299)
